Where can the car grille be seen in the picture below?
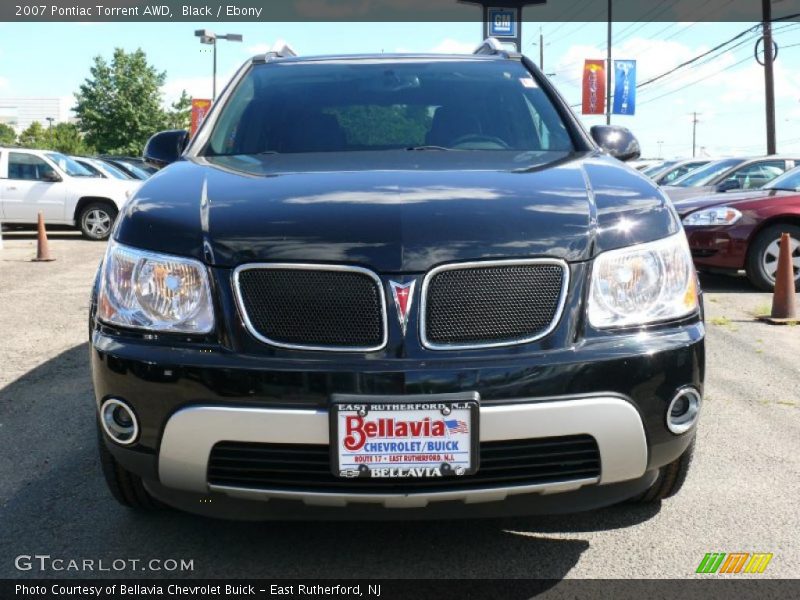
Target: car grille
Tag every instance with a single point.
(339, 308)
(486, 304)
(306, 467)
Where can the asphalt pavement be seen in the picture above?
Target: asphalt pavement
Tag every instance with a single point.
(741, 494)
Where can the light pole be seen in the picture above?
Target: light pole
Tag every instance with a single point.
(49, 128)
(660, 146)
(209, 37)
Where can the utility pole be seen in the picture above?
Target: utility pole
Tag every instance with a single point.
(660, 146)
(694, 133)
(769, 80)
(541, 50)
(608, 68)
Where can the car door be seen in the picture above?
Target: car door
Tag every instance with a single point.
(32, 185)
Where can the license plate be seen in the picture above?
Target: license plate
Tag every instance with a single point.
(416, 437)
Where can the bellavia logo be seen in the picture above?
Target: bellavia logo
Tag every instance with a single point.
(734, 562)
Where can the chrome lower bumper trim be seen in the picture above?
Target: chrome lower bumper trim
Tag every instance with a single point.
(191, 433)
(400, 500)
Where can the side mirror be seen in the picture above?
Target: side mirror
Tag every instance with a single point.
(728, 184)
(51, 177)
(618, 141)
(165, 147)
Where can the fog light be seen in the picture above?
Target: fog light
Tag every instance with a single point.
(119, 421)
(683, 410)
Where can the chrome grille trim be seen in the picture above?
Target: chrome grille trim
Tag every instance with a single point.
(426, 343)
(309, 267)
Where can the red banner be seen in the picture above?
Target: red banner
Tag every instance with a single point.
(200, 109)
(594, 87)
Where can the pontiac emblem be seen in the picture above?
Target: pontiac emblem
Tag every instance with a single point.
(403, 295)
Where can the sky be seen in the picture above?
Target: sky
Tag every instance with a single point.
(52, 59)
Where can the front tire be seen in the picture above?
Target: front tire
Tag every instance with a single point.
(762, 257)
(670, 479)
(126, 487)
(96, 220)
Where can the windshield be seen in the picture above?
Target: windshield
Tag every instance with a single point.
(788, 181)
(69, 166)
(659, 167)
(357, 105)
(135, 169)
(704, 175)
(114, 171)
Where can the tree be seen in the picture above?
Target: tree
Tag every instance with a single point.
(180, 115)
(119, 105)
(67, 138)
(7, 135)
(35, 136)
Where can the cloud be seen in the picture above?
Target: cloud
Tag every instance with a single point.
(196, 87)
(3, 83)
(451, 46)
(261, 48)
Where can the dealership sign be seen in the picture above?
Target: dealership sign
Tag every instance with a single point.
(200, 108)
(594, 87)
(624, 87)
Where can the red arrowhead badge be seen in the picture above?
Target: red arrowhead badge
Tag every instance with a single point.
(403, 295)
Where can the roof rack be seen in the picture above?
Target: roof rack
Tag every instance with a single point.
(279, 50)
(493, 47)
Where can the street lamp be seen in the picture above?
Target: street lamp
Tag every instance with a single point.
(209, 37)
(50, 128)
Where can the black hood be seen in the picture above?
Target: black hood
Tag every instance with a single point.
(394, 211)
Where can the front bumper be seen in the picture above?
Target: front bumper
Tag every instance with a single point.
(720, 247)
(615, 388)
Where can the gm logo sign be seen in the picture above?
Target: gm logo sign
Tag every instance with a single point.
(502, 22)
(734, 562)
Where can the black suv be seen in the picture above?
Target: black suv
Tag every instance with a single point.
(395, 285)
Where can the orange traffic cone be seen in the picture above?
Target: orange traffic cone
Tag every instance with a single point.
(42, 249)
(784, 308)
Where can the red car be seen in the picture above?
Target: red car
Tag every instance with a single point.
(733, 231)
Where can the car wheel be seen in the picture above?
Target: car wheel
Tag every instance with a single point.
(670, 479)
(96, 220)
(762, 258)
(126, 487)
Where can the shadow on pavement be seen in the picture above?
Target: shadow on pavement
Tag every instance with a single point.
(727, 284)
(53, 501)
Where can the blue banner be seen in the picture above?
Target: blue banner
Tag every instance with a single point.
(624, 87)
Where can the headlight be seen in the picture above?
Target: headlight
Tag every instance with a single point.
(719, 215)
(643, 284)
(146, 290)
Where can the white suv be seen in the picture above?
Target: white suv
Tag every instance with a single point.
(64, 191)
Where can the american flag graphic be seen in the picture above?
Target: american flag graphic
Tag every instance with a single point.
(456, 426)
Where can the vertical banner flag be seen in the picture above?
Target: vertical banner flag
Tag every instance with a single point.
(594, 87)
(199, 111)
(624, 87)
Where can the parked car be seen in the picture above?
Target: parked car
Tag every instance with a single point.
(65, 192)
(132, 167)
(742, 230)
(440, 295)
(100, 168)
(729, 174)
(641, 165)
(675, 169)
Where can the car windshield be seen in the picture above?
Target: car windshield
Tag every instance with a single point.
(114, 171)
(69, 166)
(659, 167)
(788, 181)
(135, 169)
(704, 175)
(402, 104)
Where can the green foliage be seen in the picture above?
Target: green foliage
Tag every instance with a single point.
(119, 105)
(35, 136)
(64, 137)
(375, 125)
(180, 114)
(7, 135)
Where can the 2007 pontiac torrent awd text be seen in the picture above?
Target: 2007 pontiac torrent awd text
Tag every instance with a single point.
(393, 286)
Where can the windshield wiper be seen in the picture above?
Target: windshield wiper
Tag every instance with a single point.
(781, 189)
(428, 147)
(266, 152)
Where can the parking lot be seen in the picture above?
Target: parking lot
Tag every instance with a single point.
(740, 495)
